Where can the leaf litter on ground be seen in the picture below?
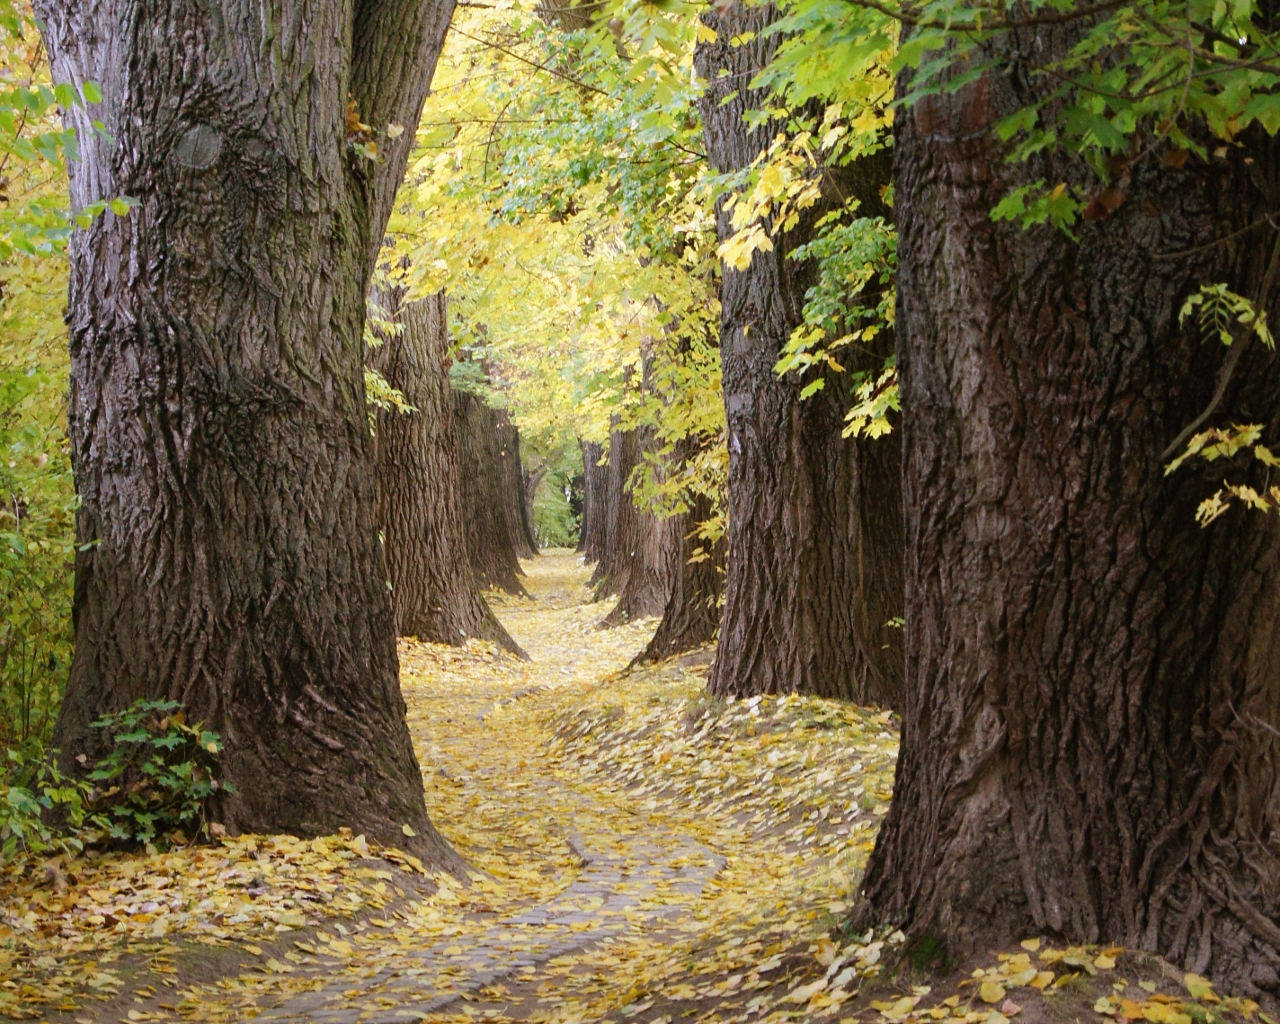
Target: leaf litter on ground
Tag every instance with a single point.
(518, 758)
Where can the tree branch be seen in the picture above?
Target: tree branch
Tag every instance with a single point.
(1054, 18)
(395, 46)
(1229, 364)
(532, 63)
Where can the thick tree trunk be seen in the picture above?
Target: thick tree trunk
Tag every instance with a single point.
(647, 565)
(650, 564)
(1093, 680)
(576, 495)
(513, 503)
(217, 418)
(433, 592)
(595, 480)
(814, 570)
(621, 528)
(532, 481)
(691, 614)
(485, 495)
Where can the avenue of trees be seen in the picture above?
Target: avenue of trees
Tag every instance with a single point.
(917, 354)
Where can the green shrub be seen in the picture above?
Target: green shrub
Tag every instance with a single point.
(33, 795)
(37, 505)
(159, 775)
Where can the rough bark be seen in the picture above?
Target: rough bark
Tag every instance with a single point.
(433, 592)
(691, 614)
(532, 481)
(638, 552)
(217, 420)
(594, 483)
(1093, 680)
(620, 526)
(513, 501)
(814, 560)
(485, 494)
(648, 563)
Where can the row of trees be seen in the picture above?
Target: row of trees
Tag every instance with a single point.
(450, 498)
(1090, 681)
(1087, 673)
(1088, 678)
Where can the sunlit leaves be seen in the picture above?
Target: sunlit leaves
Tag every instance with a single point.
(1220, 310)
(34, 146)
(875, 399)
(1224, 443)
(1037, 204)
(559, 193)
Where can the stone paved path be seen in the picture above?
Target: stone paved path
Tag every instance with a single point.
(634, 880)
(616, 891)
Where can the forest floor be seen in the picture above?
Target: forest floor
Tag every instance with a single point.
(639, 853)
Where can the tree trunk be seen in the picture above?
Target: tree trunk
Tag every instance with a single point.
(594, 483)
(691, 614)
(813, 570)
(621, 526)
(648, 564)
(217, 418)
(532, 481)
(485, 494)
(1093, 680)
(433, 593)
(513, 504)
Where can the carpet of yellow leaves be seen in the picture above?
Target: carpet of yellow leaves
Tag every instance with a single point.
(525, 764)
(639, 853)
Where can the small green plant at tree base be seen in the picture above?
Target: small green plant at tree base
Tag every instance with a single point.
(32, 792)
(159, 776)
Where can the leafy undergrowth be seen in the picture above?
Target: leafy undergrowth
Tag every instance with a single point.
(527, 765)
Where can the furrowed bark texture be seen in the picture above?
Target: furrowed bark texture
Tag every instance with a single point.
(1093, 680)
(485, 495)
(617, 515)
(434, 595)
(217, 415)
(691, 614)
(594, 482)
(513, 488)
(532, 481)
(814, 520)
(636, 562)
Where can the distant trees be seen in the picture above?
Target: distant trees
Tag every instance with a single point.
(637, 548)
(229, 556)
(433, 589)
(692, 609)
(591, 530)
(492, 493)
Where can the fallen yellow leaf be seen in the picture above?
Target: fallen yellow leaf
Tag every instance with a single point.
(991, 992)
